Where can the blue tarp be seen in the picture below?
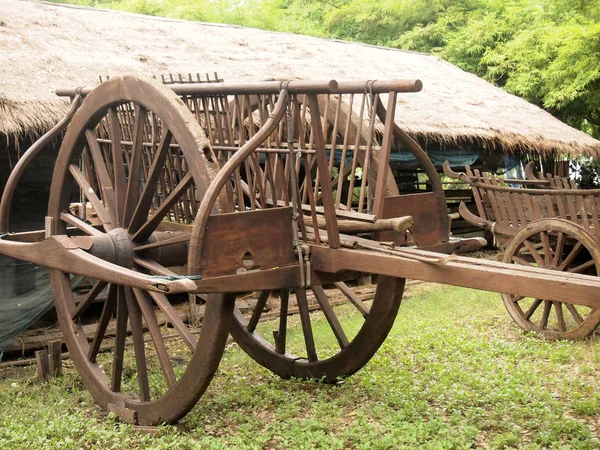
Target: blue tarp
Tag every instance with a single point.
(456, 157)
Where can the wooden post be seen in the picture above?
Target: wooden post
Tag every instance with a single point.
(54, 358)
(41, 358)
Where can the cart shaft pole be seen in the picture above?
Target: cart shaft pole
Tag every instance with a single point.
(63, 253)
(466, 272)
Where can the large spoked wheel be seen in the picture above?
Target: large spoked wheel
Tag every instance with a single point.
(559, 245)
(139, 161)
(328, 345)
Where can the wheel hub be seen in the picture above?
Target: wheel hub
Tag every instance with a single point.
(123, 247)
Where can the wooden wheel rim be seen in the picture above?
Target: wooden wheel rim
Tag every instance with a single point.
(352, 358)
(574, 231)
(184, 394)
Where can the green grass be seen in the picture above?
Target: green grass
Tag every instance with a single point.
(454, 373)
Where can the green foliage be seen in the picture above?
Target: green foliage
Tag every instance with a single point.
(587, 173)
(545, 51)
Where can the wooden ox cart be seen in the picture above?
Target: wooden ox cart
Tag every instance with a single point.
(546, 222)
(276, 187)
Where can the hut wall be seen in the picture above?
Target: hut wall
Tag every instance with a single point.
(30, 202)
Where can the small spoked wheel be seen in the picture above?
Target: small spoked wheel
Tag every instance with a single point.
(560, 245)
(138, 164)
(330, 344)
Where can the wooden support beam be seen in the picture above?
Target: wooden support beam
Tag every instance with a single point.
(43, 370)
(54, 358)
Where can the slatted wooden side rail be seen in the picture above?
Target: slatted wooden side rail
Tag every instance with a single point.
(348, 141)
(347, 126)
(344, 133)
(506, 209)
(338, 140)
(496, 207)
(553, 181)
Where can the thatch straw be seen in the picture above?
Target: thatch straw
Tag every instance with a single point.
(29, 117)
(46, 46)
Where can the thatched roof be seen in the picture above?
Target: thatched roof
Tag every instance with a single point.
(46, 46)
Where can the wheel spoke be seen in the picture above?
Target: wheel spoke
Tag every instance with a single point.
(80, 224)
(137, 331)
(150, 225)
(174, 240)
(560, 319)
(106, 185)
(582, 267)
(87, 168)
(281, 336)
(107, 311)
(560, 244)
(120, 335)
(154, 267)
(306, 325)
(545, 314)
(120, 181)
(521, 261)
(571, 256)
(143, 205)
(89, 298)
(357, 302)
(145, 303)
(135, 169)
(330, 315)
(89, 193)
(548, 255)
(165, 306)
(536, 303)
(533, 252)
(258, 310)
(571, 308)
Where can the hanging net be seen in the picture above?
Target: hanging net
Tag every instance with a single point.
(25, 295)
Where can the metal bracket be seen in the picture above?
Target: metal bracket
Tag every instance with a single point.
(303, 252)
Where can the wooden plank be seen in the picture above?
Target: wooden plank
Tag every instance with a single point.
(384, 156)
(518, 199)
(54, 358)
(466, 272)
(323, 174)
(571, 207)
(423, 208)
(477, 196)
(43, 370)
(498, 198)
(247, 241)
(593, 210)
(510, 207)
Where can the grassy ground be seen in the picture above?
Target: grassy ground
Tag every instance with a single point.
(454, 373)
